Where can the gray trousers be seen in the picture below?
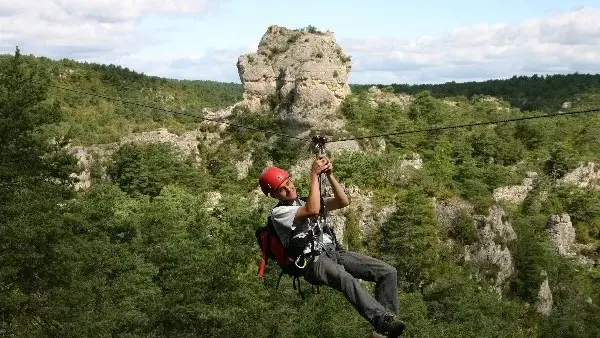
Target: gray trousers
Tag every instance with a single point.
(341, 269)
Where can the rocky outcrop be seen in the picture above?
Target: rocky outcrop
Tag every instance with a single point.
(343, 146)
(212, 200)
(378, 96)
(187, 144)
(516, 193)
(584, 176)
(491, 253)
(414, 161)
(83, 179)
(544, 302)
(361, 209)
(562, 234)
(302, 74)
(243, 166)
(448, 212)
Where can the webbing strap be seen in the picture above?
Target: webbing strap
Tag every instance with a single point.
(263, 259)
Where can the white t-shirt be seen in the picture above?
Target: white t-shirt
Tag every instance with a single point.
(284, 223)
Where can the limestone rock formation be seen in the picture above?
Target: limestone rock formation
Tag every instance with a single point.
(562, 234)
(302, 73)
(378, 96)
(584, 176)
(361, 206)
(544, 302)
(516, 193)
(491, 253)
(187, 144)
(448, 212)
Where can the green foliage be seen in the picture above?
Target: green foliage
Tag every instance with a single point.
(110, 289)
(311, 29)
(93, 119)
(467, 311)
(563, 158)
(364, 119)
(425, 107)
(282, 150)
(409, 240)
(146, 254)
(352, 235)
(575, 298)
(34, 183)
(464, 231)
(438, 172)
(533, 256)
(583, 206)
(525, 92)
(144, 169)
(25, 151)
(373, 171)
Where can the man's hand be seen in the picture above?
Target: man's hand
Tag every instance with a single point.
(328, 170)
(321, 165)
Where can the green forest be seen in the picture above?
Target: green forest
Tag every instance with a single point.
(146, 252)
(545, 93)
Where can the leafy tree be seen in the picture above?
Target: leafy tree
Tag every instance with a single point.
(410, 240)
(562, 159)
(143, 169)
(426, 107)
(461, 308)
(533, 256)
(34, 182)
(110, 288)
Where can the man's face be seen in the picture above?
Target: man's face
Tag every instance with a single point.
(286, 191)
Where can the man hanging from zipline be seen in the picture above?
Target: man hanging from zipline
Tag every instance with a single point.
(301, 227)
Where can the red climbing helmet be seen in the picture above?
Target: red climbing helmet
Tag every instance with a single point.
(271, 179)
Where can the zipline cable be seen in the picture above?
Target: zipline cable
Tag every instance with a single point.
(161, 109)
(413, 131)
(173, 111)
(404, 132)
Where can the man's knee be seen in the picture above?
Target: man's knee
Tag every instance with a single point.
(390, 273)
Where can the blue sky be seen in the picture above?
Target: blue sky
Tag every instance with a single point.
(241, 21)
(390, 41)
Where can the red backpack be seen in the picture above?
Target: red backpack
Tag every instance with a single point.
(271, 248)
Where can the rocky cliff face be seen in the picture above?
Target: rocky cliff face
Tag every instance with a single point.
(562, 234)
(585, 176)
(186, 143)
(544, 302)
(490, 252)
(302, 74)
(516, 193)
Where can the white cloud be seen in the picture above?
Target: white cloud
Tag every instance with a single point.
(108, 31)
(563, 43)
(83, 29)
(214, 64)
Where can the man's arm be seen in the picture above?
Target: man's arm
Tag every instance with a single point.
(340, 199)
(313, 202)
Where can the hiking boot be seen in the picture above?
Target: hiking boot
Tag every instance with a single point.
(391, 326)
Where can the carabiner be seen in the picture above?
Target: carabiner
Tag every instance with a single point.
(296, 262)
